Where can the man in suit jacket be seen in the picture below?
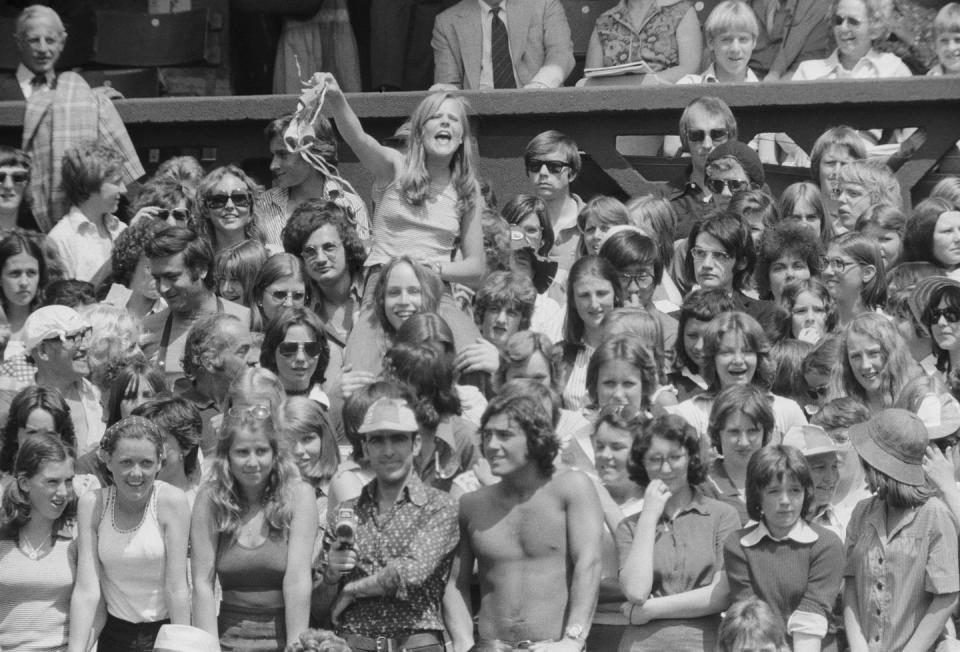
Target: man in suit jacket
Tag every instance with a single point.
(40, 39)
(539, 36)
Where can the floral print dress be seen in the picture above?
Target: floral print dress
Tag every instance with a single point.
(654, 41)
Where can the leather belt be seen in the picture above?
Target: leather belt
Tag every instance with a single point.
(419, 642)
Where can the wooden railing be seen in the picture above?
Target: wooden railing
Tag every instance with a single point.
(225, 129)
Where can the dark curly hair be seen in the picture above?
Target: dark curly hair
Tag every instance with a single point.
(788, 238)
(772, 464)
(530, 415)
(673, 428)
(429, 371)
(277, 329)
(506, 290)
(128, 249)
(23, 404)
(315, 213)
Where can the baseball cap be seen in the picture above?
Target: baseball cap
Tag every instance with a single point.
(893, 442)
(391, 414)
(49, 322)
(747, 158)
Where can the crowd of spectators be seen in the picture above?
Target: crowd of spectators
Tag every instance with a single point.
(284, 419)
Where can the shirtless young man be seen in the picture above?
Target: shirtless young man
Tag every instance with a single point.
(535, 536)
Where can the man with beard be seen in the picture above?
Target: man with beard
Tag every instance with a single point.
(55, 338)
(181, 263)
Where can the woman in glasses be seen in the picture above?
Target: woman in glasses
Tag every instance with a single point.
(295, 348)
(167, 201)
(253, 529)
(788, 253)
(132, 546)
(933, 234)
(14, 179)
(856, 25)
(671, 552)
(854, 274)
(226, 208)
(280, 283)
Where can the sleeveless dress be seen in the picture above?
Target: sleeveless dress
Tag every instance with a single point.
(655, 41)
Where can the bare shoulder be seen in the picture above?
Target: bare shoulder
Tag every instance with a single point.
(477, 500)
(571, 484)
(302, 493)
(171, 501)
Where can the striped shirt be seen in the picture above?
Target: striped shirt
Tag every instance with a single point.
(898, 573)
(35, 595)
(270, 208)
(428, 232)
(575, 391)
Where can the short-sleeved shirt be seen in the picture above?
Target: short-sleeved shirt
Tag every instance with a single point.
(411, 549)
(719, 486)
(898, 573)
(688, 550)
(871, 66)
(696, 410)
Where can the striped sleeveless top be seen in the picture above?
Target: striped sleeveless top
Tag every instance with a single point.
(426, 232)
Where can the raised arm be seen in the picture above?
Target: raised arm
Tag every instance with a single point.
(203, 563)
(297, 578)
(470, 269)
(382, 162)
(173, 512)
(456, 598)
(86, 593)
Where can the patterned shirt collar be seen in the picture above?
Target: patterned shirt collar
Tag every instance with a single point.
(413, 491)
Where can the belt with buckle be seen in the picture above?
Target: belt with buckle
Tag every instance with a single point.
(419, 642)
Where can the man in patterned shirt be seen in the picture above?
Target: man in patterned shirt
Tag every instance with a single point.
(392, 576)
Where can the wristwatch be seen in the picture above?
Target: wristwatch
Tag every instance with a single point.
(575, 632)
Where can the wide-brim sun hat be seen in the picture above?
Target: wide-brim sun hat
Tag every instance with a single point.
(893, 442)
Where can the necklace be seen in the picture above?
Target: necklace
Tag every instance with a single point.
(32, 551)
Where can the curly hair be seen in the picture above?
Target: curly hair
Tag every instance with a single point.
(227, 499)
(15, 508)
(22, 406)
(178, 417)
(128, 249)
(430, 374)
(771, 464)
(18, 242)
(899, 367)
(529, 415)
(675, 429)
(753, 338)
(505, 290)
(550, 398)
(752, 402)
(625, 348)
(788, 238)
(431, 287)
(730, 231)
(315, 213)
(204, 220)
(277, 330)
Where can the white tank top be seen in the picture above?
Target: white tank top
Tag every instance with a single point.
(133, 563)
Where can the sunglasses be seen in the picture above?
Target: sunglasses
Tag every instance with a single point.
(290, 349)
(700, 135)
(952, 315)
(249, 412)
(17, 177)
(239, 199)
(716, 186)
(179, 214)
(297, 296)
(627, 413)
(838, 21)
(553, 167)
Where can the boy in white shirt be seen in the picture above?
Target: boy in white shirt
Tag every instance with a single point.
(946, 34)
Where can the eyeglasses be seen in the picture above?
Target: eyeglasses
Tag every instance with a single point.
(643, 280)
(699, 253)
(16, 177)
(700, 135)
(838, 21)
(310, 252)
(817, 393)
(72, 339)
(553, 167)
(952, 315)
(656, 463)
(290, 349)
(249, 412)
(297, 296)
(239, 199)
(716, 186)
(623, 412)
(179, 214)
(838, 264)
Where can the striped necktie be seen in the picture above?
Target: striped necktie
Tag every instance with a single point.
(500, 52)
